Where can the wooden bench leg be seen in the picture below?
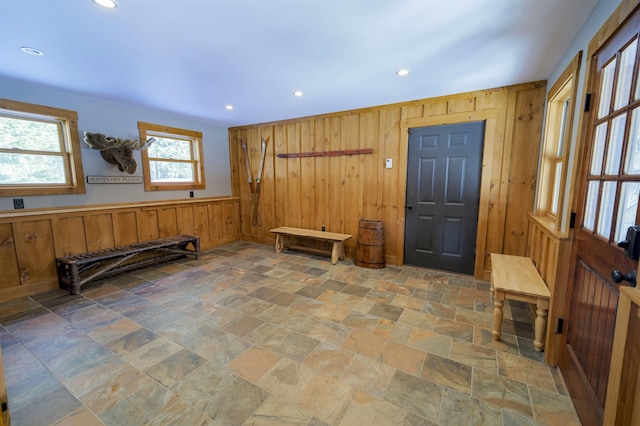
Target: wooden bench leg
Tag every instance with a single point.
(497, 314)
(335, 253)
(279, 243)
(541, 324)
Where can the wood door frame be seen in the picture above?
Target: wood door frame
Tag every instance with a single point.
(492, 125)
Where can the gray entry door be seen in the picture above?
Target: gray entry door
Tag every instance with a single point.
(443, 192)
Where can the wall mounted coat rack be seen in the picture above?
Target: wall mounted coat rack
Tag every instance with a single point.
(327, 153)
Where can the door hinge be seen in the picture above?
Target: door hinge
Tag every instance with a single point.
(4, 406)
(572, 220)
(560, 326)
(587, 102)
(410, 131)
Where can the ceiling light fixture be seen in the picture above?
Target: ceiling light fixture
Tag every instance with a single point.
(229, 107)
(402, 72)
(109, 4)
(298, 93)
(32, 51)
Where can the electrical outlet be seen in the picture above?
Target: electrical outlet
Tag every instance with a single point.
(190, 194)
(388, 163)
(18, 203)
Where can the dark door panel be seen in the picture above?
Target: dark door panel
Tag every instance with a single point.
(443, 187)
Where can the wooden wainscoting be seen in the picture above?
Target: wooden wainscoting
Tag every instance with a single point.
(550, 252)
(30, 240)
(337, 192)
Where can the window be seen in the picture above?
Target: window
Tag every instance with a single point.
(39, 150)
(552, 181)
(174, 161)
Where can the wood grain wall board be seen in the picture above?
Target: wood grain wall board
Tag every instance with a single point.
(167, 222)
(529, 107)
(8, 258)
(201, 220)
(294, 208)
(125, 228)
(235, 163)
(99, 231)
(216, 225)
(336, 200)
(34, 251)
(148, 226)
(268, 183)
(281, 167)
(307, 200)
(346, 189)
(184, 217)
(230, 215)
(69, 236)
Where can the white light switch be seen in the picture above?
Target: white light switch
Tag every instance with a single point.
(389, 163)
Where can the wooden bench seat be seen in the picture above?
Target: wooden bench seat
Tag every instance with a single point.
(76, 270)
(337, 241)
(516, 278)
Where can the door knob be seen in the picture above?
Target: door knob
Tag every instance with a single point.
(618, 277)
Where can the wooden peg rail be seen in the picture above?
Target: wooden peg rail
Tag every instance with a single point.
(327, 153)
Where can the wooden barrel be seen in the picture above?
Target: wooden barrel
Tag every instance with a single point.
(370, 244)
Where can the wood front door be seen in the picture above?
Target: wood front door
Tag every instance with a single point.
(607, 206)
(443, 190)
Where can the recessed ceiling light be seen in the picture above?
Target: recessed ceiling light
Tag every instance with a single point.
(402, 72)
(109, 4)
(32, 51)
(229, 107)
(298, 93)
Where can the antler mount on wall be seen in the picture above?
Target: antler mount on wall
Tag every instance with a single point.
(117, 151)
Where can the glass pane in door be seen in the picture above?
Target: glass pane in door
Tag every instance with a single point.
(616, 141)
(632, 163)
(598, 149)
(591, 205)
(628, 208)
(625, 75)
(605, 216)
(608, 73)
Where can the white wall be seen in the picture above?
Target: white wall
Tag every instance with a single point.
(598, 16)
(119, 120)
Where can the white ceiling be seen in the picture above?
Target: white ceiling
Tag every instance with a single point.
(193, 57)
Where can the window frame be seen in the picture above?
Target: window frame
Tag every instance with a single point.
(561, 103)
(68, 130)
(148, 130)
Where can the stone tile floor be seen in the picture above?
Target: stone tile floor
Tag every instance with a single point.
(245, 336)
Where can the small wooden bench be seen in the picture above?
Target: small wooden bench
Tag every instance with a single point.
(516, 278)
(337, 241)
(76, 270)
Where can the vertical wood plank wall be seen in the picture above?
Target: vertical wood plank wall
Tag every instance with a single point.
(339, 191)
(551, 252)
(30, 241)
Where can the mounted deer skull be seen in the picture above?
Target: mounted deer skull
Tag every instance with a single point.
(117, 151)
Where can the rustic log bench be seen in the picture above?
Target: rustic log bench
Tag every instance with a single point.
(76, 270)
(337, 241)
(516, 278)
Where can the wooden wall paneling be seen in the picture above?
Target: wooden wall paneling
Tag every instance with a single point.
(307, 177)
(201, 220)
(5, 419)
(148, 224)
(336, 199)
(254, 145)
(281, 168)
(68, 235)
(351, 177)
(321, 174)
(390, 148)
(235, 163)
(8, 258)
(435, 109)
(522, 169)
(230, 219)
(35, 251)
(98, 229)
(215, 223)
(244, 190)
(268, 183)
(125, 227)
(167, 222)
(184, 217)
(415, 110)
(466, 104)
(370, 165)
(294, 210)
